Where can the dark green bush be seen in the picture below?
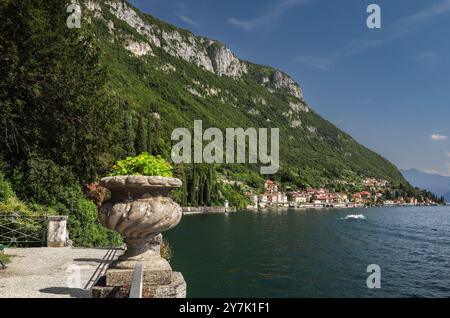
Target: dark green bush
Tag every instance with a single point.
(85, 230)
(6, 191)
(41, 181)
(10, 205)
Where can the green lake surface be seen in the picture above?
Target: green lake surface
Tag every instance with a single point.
(315, 253)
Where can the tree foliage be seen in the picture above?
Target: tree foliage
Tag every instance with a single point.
(52, 90)
(58, 124)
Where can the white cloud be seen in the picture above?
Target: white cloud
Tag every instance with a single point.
(448, 154)
(447, 173)
(273, 13)
(247, 25)
(438, 137)
(430, 171)
(182, 12)
(398, 29)
(187, 20)
(442, 171)
(427, 13)
(427, 59)
(321, 64)
(393, 32)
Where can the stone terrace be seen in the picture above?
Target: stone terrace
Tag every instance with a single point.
(54, 272)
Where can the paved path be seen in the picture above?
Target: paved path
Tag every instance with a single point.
(53, 272)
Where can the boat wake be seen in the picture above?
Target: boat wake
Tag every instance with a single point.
(354, 217)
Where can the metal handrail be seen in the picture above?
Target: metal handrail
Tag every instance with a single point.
(12, 231)
(136, 284)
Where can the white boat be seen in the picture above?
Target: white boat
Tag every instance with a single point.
(355, 217)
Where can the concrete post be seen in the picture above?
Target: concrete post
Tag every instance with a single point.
(57, 231)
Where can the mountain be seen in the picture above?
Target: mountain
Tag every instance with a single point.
(440, 185)
(177, 76)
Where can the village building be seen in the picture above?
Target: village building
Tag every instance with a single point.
(340, 198)
(362, 197)
(271, 186)
(411, 201)
(263, 201)
(299, 197)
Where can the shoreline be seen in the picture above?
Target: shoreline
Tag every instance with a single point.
(222, 210)
(207, 210)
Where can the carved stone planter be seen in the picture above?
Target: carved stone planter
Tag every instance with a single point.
(140, 209)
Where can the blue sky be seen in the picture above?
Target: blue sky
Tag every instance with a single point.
(389, 88)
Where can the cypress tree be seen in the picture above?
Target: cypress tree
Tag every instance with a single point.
(184, 191)
(149, 133)
(201, 189)
(141, 136)
(193, 189)
(207, 194)
(129, 136)
(211, 185)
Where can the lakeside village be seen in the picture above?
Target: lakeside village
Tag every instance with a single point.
(272, 197)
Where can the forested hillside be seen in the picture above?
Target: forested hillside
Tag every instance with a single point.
(169, 77)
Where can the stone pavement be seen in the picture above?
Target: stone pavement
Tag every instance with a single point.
(54, 272)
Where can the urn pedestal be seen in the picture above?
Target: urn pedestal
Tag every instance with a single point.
(57, 231)
(140, 209)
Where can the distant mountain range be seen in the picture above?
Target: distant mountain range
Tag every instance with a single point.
(440, 185)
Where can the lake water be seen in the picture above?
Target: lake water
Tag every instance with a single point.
(315, 253)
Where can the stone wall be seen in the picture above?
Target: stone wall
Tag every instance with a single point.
(207, 210)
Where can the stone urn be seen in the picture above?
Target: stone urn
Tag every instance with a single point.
(140, 209)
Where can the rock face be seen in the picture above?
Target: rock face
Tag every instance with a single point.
(296, 124)
(254, 112)
(94, 7)
(220, 60)
(139, 48)
(123, 12)
(188, 50)
(298, 107)
(167, 68)
(284, 82)
(140, 209)
(225, 63)
(311, 129)
(202, 52)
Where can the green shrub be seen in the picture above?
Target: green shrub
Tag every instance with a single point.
(25, 222)
(6, 191)
(85, 230)
(5, 259)
(10, 204)
(17, 206)
(43, 182)
(13, 205)
(235, 196)
(144, 164)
